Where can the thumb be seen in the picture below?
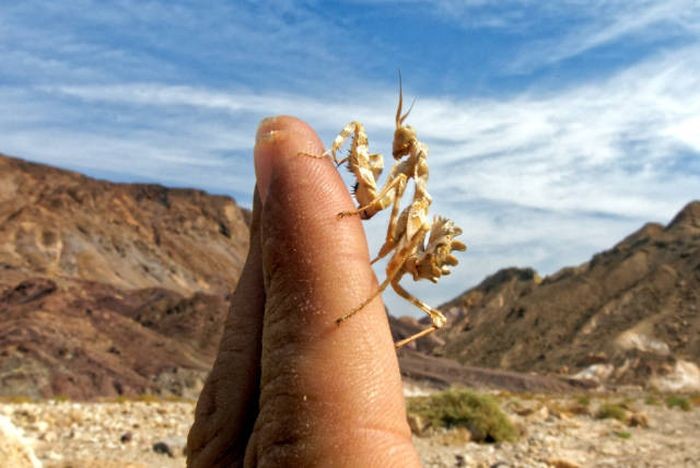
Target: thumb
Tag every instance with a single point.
(330, 394)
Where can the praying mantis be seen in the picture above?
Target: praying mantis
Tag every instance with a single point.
(407, 229)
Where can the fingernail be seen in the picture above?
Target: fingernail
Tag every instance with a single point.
(265, 138)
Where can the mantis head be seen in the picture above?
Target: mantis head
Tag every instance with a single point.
(404, 135)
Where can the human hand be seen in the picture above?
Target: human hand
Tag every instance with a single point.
(289, 387)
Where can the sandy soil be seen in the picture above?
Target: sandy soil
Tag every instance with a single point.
(555, 432)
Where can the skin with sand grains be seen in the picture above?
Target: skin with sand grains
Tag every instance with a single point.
(289, 387)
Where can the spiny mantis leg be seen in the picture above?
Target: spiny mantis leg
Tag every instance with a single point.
(356, 129)
(395, 267)
(398, 185)
(326, 154)
(435, 315)
(391, 238)
(420, 334)
(376, 293)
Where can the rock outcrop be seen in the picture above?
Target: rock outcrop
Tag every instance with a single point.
(630, 315)
(110, 289)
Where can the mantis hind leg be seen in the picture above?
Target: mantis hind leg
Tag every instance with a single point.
(394, 271)
(435, 315)
(376, 293)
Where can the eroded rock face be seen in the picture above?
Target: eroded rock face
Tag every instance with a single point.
(58, 223)
(83, 340)
(110, 289)
(633, 310)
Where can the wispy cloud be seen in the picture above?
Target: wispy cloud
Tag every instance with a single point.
(288, 44)
(603, 23)
(543, 147)
(557, 31)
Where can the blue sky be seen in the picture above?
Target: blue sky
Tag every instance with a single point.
(555, 128)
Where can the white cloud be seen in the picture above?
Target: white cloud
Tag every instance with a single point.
(686, 131)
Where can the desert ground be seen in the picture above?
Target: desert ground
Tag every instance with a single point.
(561, 431)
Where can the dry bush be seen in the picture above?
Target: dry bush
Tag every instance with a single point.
(480, 414)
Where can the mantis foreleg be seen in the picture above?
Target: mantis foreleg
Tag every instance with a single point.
(390, 193)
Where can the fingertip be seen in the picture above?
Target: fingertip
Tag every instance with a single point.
(279, 137)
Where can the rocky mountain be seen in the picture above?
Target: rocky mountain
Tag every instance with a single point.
(629, 315)
(107, 288)
(58, 223)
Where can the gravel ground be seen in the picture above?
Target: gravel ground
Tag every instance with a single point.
(66, 434)
(553, 435)
(555, 432)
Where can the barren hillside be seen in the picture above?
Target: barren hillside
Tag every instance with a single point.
(630, 314)
(111, 288)
(62, 224)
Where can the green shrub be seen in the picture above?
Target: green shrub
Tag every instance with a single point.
(611, 411)
(623, 434)
(583, 400)
(480, 414)
(674, 401)
(652, 400)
